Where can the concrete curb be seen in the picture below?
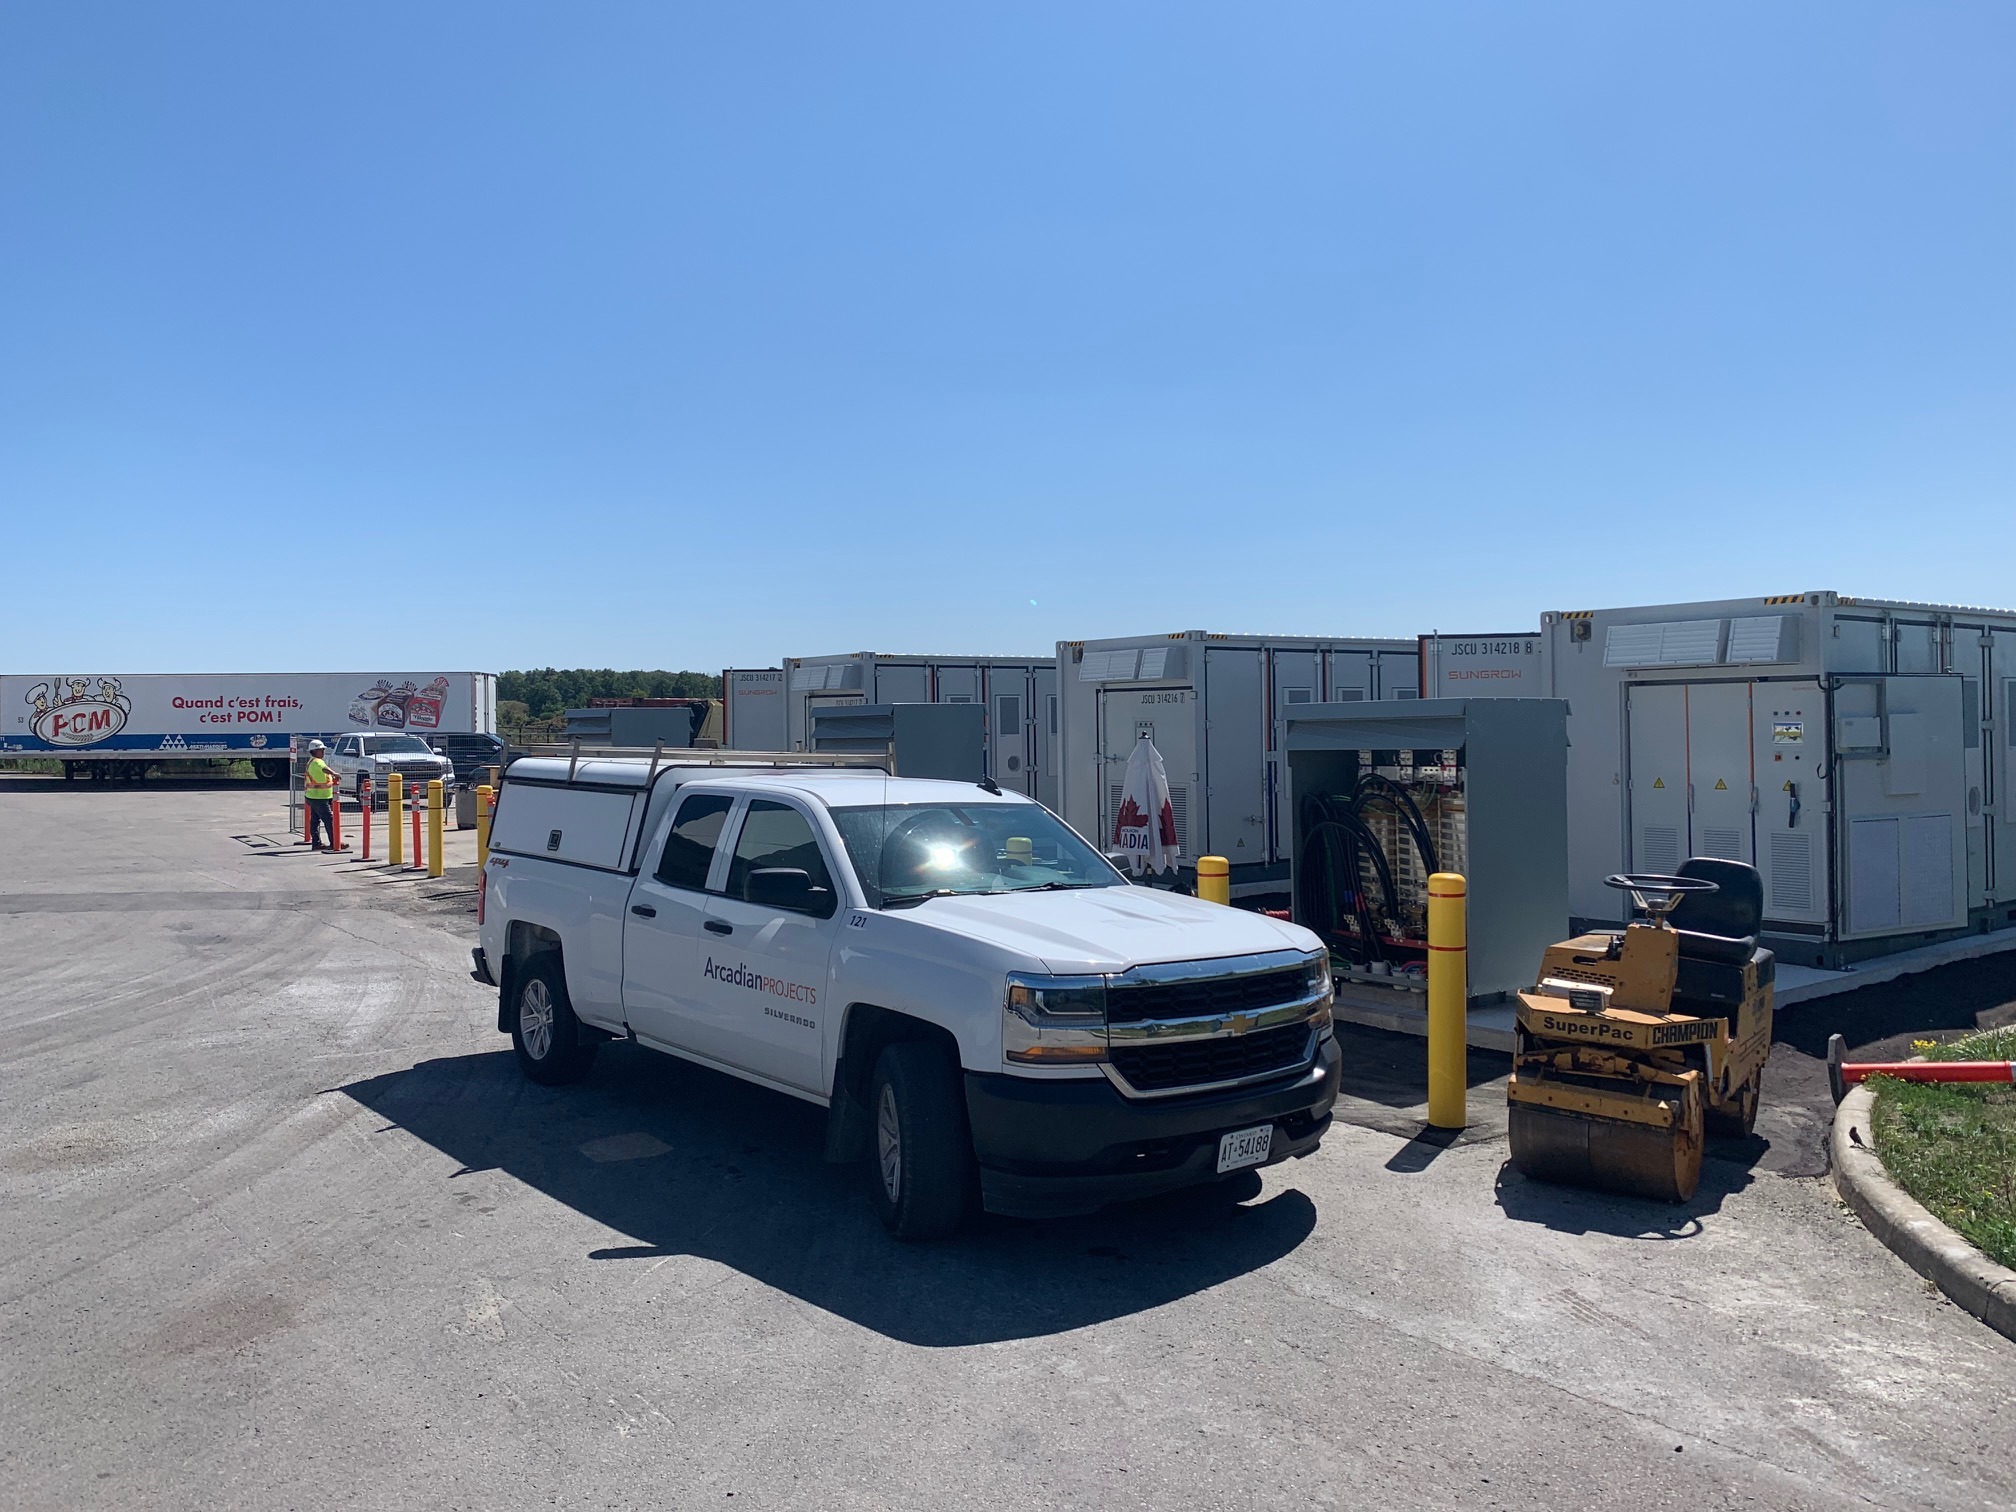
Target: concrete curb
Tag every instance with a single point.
(1920, 1240)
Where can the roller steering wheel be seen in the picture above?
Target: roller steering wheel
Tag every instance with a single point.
(1656, 894)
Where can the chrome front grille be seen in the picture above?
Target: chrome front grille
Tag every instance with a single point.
(1139, 1002)
(1191, 1026)
(1182, 1063)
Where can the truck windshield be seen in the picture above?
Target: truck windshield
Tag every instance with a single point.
(905, 852)
(398, 745)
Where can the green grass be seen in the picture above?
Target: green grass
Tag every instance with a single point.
(1954, 1147)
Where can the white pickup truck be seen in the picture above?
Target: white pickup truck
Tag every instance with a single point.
(355, 757)
(984, 1005)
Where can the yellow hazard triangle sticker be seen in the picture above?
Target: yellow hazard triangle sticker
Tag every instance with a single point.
(1721, 786)
(1658, 782)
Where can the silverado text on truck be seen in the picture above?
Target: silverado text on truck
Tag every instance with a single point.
(983, 1004)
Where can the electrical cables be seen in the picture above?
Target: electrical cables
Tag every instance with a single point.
(1341, 860)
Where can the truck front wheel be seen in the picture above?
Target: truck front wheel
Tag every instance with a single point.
(551, 1048)
(920, 1154)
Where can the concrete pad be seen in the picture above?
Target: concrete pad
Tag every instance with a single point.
(1806, 984)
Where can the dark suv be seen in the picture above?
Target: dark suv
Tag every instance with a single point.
(469, 753)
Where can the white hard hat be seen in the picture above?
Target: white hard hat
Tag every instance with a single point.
(316, 745)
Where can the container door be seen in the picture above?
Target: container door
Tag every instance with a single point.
(1970, 659)
(1658, 785)
(1788, 737)
(1350, 676)
(1236, 723)
(1719, 767)
(1167, 716)
(1399, 675)
(958, 684)
(901, 682)
(1008, 738)
(1998, 796)
(1901, 802)
(1045, 737)
(1297, 680)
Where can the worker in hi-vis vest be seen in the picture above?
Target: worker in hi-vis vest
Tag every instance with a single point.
(318, 784)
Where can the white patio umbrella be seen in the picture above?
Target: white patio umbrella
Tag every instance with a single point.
(1144, 831)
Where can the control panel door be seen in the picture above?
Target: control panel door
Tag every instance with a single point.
(1788, 735)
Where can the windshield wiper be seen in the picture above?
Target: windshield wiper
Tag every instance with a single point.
(899, 900)
(1058, 886)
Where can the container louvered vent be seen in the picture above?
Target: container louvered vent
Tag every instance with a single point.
(1672, 643)
(1763, 638)
(1722, 844)
(1791, 873)
(1135, 664)
(1659, 849)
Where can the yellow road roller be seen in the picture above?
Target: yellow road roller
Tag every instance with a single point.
(1636, 1044)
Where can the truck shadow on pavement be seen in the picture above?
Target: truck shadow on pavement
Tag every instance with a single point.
(684, 1161)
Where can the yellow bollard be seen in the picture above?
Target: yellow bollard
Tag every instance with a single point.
(1214, 879)
(484, 798)
(1448, 998)
(395, 820)
(434, 863)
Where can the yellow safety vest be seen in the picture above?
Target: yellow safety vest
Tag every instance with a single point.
(320, 781)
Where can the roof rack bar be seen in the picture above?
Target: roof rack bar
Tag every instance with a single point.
(657, 755)
(575, 760)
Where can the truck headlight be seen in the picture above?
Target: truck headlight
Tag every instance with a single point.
(1054, 1021)
(1321, 985)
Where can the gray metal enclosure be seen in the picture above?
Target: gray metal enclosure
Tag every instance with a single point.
(1017, 694)
(946, 741)
(1492, 776)
(1214, 706)
(1856, 751)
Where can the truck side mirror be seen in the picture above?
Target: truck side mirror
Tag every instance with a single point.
(789, 888)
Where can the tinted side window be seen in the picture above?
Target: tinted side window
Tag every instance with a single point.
(775, 834)
(689, 849)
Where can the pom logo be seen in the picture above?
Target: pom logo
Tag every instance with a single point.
(69, 713)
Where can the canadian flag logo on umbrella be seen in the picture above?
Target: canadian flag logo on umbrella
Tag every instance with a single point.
(1147, 843)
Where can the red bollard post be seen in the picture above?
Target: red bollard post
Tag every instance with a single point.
(364, 810)
(419, 861)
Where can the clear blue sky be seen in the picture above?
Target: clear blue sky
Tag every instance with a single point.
(685, 335)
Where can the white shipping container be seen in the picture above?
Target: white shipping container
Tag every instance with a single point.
(752, 709)
(108, 716)
(1018, 693)
(1857, 752)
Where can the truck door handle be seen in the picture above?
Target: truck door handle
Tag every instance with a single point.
(715, 926)
(644, 910)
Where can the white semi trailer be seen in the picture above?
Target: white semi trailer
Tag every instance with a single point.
(119, 724)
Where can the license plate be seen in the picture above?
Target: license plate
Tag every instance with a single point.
(1244, 1147)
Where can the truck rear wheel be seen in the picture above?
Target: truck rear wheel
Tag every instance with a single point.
(551, 1048)
(920, 1152)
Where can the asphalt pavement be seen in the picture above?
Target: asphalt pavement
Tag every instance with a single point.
(284, 1227)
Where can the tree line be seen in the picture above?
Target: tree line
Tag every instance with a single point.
(546, 693)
